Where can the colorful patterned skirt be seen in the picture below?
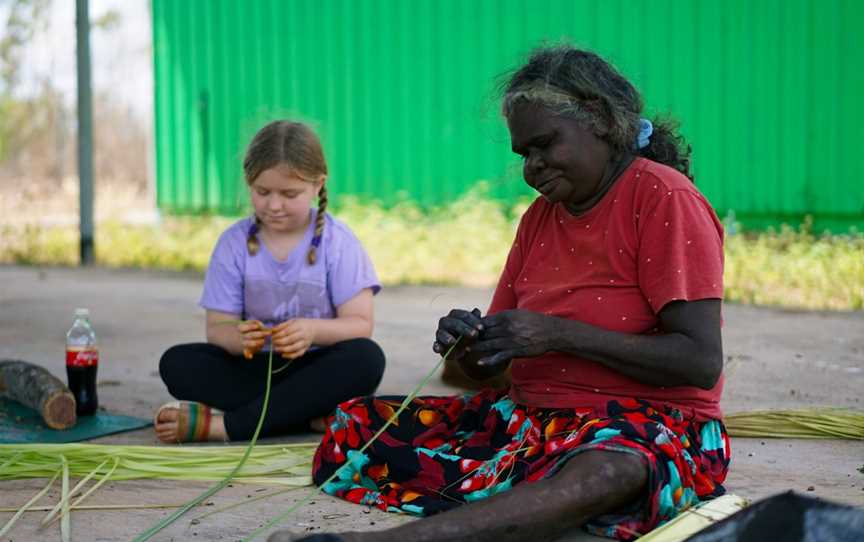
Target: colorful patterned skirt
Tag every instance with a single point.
(442, 452)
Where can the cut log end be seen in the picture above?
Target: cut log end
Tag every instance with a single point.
(59, 411)
(35, 387)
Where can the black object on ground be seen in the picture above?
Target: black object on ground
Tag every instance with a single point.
(789, 517)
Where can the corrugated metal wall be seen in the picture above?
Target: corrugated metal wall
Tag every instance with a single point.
(403, 93)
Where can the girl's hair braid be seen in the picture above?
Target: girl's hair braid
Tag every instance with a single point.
(319, 225)
(293, 145)
(582, 85)
(252, 244)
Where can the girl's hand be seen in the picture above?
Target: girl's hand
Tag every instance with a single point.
(293, 338)
(457, 323)
(254, 337)
(516, 333)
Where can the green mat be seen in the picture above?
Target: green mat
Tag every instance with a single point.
(19, 424)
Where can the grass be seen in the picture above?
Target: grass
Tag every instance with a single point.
(466, 243)
(796, 268)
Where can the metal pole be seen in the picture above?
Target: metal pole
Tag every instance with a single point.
(85, 131)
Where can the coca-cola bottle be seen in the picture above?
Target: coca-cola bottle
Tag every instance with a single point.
(82, 361)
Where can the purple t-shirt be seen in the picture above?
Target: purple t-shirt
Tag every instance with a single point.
(262, 288)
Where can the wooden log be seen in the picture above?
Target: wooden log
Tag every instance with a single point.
(35, 387)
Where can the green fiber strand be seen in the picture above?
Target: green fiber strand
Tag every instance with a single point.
(77, 486)
(28, 504)
(309, 496)
(241, 503)
(65, 535)
(146, 535)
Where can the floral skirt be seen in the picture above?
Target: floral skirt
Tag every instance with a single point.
(442, 452)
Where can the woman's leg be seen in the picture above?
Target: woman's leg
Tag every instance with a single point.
(311, 387)
(590, 484)
(553, 466)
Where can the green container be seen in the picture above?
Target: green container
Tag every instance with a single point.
(403, 94)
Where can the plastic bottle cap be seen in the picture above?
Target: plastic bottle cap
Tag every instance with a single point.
(82, 312)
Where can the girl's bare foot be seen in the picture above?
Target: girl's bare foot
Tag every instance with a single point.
(189, 422)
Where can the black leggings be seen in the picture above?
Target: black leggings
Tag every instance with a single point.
(309, 387)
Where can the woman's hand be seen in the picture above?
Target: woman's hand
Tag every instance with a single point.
(515, 333)
(457, 323)
(254, 337)
(293, 338)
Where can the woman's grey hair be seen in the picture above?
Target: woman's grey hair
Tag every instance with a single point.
(553, 98)
(581, 85)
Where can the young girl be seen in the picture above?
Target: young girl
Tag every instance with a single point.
(302, 284)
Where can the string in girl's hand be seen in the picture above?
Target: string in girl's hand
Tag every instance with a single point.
(248, 353)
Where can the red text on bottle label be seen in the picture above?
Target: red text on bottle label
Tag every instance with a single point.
(83, 357)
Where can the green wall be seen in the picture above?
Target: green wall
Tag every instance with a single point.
(403, 93)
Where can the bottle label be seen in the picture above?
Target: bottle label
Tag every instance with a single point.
(82, 357)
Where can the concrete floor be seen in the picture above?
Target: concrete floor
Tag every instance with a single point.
(775, 359)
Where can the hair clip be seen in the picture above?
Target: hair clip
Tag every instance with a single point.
(645, 131)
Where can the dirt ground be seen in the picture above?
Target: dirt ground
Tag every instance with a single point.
(775, 359)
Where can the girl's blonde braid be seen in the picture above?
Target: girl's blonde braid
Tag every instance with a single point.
(319, 225)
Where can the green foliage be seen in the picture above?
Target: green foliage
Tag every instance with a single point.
(462, 243)
(23, 17)
(466, 243)
(796, 269)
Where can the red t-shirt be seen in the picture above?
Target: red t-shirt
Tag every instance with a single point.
(652, 239)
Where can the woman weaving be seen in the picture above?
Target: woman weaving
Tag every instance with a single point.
(608, 314)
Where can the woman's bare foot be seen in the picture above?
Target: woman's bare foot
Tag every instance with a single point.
(189, 422)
